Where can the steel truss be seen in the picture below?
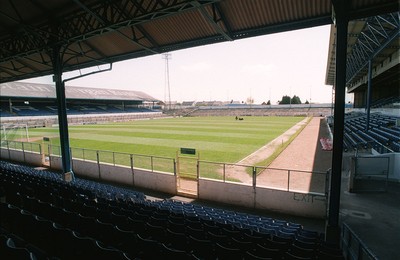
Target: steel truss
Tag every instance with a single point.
(378, 33)
(93, 20)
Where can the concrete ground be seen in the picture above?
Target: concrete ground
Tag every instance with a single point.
(374, 217)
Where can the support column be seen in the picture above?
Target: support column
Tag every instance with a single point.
(332, 228)
(368, 107)
(62, 115)
(10, 106)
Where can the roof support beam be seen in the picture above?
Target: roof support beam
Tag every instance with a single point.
(217, 8)
(62, 113)
(379, 32)
(369, 96)
(212, 21)
(100, 20)
(148, 37)
(84, 25)
(341, 21)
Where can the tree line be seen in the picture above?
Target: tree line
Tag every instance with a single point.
(286, 100)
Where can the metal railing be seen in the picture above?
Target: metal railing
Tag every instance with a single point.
(257, 176)
(353, 247)
(148, 162)
(23, 146)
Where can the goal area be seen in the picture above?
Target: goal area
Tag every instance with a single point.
(14, 132)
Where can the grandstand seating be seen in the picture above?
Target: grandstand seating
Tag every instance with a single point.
(382, 132)
(4, 113)
(46, 109)
(252, 110)
(385, 102)
(56, 219)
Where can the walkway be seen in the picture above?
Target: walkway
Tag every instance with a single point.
(302, 156)
(261, 154)
(292, 168)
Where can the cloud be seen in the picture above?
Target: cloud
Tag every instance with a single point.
(257, 68)
(196, 67)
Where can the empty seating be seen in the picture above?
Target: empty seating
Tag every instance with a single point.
(393, 137)
(381, 134)
(93, 220)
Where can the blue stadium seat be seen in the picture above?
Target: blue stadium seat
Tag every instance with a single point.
(392, 137)
(122, 223)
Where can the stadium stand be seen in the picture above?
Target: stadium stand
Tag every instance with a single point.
(31, 99)
(37, 109)
(256, 20)
(386, 102)
(44, 216)
(382, 132)
(255, 110)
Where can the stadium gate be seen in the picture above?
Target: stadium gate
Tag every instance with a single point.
(187, 164)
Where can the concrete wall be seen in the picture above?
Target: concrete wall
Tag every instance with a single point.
(88, 169)
(4, 154)
(377, 164)
(16, 155)
(395, 174)
(155, 181)
(299, 204)
(307, 205)
(141, 178)
(31, 158)
(294, 203)
(226, 192)
(55, 163)
(116, 174)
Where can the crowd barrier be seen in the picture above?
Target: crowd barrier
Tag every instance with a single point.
(285, 193)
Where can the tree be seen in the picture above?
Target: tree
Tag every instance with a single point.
(285, 100)
(307, 102)
(295, 100)
(269, 102)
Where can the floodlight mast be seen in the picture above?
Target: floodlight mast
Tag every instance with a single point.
(167, 57)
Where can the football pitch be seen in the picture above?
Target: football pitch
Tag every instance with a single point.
(218, 139)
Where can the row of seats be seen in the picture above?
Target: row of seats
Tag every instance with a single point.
(385, 102)
(138, 228)
(382, 131)
(48, 182)
(45, 110)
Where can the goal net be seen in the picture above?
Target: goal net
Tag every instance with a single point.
(14, 132)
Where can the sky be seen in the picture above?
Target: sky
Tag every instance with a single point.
(262, 68)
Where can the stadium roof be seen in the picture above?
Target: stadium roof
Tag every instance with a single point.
(375, 38)
(94, 32)
(33, 90)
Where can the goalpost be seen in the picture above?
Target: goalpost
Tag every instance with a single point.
(13, 132)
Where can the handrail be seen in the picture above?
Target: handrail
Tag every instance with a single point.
(348, 246)
(158, 163)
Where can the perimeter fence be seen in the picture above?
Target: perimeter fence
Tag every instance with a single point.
(256, 176)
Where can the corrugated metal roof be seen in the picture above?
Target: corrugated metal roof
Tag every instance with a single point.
(35, 90)
(93, 32)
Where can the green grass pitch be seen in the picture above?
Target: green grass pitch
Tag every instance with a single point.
(218, 139)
